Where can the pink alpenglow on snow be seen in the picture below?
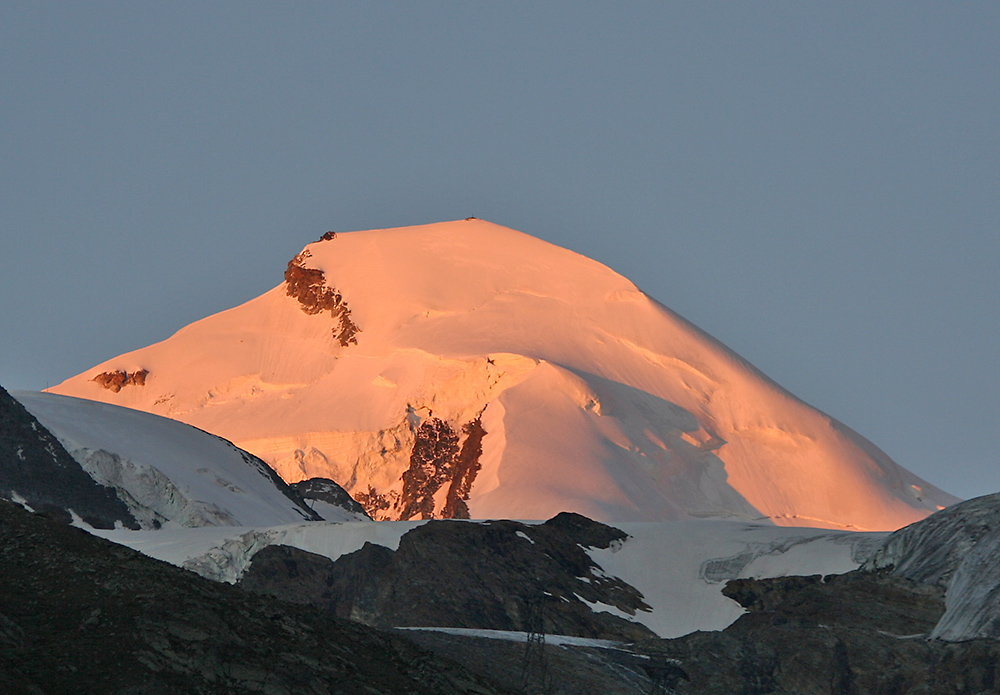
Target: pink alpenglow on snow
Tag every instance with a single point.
(469, 370)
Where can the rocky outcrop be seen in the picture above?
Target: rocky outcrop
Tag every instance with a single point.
(500, 575)
(81, 615)
(862, 632)
(38, 471)
(327, 492)
(856, 600)
(437, 463)
(435, 450)
(463, 473)
(117, 380)
(308, 286)
(375, 503)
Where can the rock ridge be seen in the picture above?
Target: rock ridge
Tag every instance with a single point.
(308, 286)
(500, 575)
(116, 380)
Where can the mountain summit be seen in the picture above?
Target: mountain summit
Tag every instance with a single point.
(464, 369)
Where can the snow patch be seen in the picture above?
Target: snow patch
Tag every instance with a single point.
(667, 563)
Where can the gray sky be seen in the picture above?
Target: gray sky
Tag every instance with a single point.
(818, 186)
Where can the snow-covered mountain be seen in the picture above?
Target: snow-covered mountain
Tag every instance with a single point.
(464, 369)
(170, 474)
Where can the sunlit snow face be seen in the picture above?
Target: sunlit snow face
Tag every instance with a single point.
(594, 397)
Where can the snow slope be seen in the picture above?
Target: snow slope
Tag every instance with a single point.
(955, 550)
(680, 567)
(467, 369)
(168, 473)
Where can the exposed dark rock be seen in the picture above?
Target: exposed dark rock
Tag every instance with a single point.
(435, 449)
(460, 574)
(308, 285)
(437, 461)
(855, 599)
(81, 615)
(328, 236)
(326, 490)
(35, 466)
(374, 502)
(303, 577)
(855, 633)
(464, 472)
(117, 380)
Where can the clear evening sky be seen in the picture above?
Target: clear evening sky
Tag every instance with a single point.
(816, 185)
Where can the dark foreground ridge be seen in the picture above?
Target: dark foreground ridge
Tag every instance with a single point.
(854, 634)
(82, 615)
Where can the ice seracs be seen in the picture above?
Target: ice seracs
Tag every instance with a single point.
(467, 369)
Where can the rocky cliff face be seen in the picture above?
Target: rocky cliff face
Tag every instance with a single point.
(441, 468)
(308, 285)
(499, 575)
(36, 469)
(437, 463)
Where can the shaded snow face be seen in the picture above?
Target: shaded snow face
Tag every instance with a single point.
(955, 550)
(590, 396)
(167, 473)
